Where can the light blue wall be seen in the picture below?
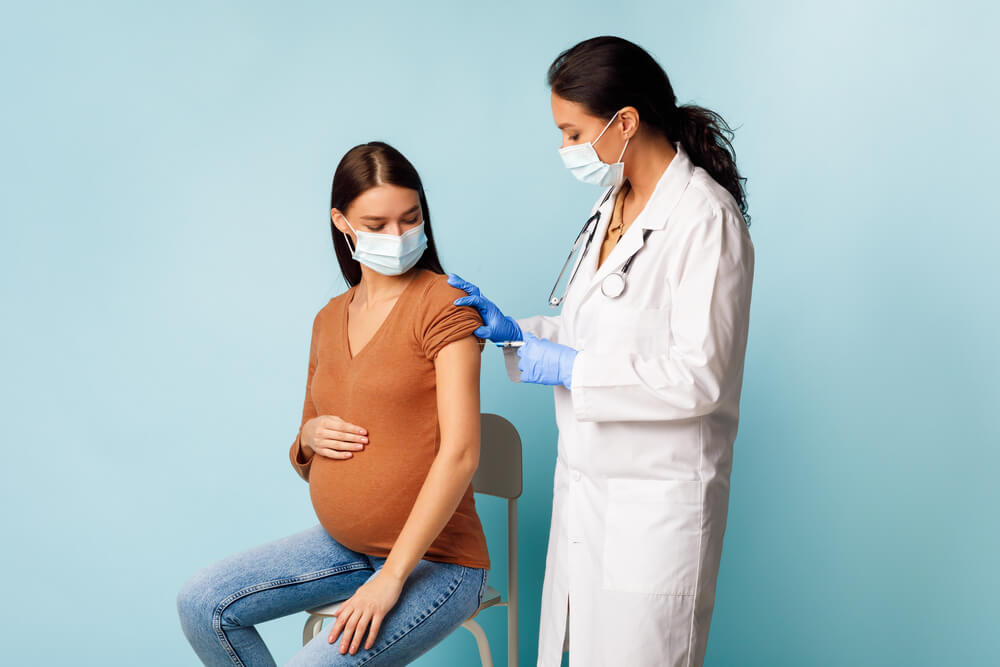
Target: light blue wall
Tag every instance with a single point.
(164, 247)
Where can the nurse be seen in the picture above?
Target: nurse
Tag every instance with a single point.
(646, 361)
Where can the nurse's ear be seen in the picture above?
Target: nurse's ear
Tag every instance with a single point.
(628, 122)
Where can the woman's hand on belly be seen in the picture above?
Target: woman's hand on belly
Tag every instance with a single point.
(367, 607)
(332, 437)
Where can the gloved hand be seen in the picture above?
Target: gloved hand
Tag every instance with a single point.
(545, 362)
(499, 327)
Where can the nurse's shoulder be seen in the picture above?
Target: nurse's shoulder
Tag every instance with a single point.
(706, 200)
(707, 222)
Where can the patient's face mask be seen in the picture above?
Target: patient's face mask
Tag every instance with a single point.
(388, 254)
(583, 162)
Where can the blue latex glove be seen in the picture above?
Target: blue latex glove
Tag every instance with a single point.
(545, 362)
(499, 327)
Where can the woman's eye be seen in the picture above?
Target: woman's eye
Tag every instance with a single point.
(375, 229)
(574, 137)
(411, 222)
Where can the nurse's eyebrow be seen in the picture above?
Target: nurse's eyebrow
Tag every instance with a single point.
(565, 125)
(376, 218)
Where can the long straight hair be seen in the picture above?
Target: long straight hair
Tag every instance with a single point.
(362, 168)
(605, 74)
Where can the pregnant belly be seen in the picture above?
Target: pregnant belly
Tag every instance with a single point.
(364, 501)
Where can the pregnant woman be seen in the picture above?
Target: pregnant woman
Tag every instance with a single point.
(388, 443)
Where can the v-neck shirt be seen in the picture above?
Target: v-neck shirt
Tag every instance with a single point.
(617, 226)
(388, 387)
(386, 322)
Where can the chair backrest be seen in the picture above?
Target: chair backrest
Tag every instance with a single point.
(499, 471)
(499, 474)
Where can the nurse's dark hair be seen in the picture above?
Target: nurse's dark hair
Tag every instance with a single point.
(362, 168)
(605, 74)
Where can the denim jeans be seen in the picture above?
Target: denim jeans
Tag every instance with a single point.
(221, 603)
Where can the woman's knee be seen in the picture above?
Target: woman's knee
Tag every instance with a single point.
(197, 600)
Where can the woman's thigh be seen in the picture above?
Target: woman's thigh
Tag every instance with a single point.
(288, 575)
(436, 599)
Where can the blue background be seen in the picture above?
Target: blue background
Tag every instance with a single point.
(164, 246)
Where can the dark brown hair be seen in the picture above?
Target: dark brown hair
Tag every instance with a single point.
(363, 167)
(605, 74)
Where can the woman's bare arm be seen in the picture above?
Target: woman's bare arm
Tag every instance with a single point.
(457, 370)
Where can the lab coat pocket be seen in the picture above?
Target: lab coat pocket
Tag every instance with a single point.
(652, 536)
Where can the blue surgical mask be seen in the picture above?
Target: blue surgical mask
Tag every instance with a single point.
(388, 254)
(583, 162)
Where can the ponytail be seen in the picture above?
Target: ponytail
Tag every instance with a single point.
(707, 138)
(605, 74)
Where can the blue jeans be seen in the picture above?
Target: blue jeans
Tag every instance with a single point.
(221, 603)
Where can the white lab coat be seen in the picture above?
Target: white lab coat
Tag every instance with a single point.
(646, 433)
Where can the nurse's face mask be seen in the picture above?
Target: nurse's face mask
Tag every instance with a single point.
(583, 162)
(388, 254)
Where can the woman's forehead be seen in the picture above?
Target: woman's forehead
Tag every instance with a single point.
(386, 201)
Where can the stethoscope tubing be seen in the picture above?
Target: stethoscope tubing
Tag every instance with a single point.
(619, 279)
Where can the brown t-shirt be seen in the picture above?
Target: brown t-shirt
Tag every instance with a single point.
(389, 388)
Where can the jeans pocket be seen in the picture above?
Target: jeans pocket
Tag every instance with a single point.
(652, 536)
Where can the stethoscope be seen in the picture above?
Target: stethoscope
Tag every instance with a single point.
(614, 284)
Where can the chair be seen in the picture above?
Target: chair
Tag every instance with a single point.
(498, 474)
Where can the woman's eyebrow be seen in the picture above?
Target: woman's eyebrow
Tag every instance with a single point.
(377, 218)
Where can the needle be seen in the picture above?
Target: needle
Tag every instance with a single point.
(510, 343)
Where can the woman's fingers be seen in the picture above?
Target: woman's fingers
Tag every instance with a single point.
(333, 453)
(342, 615)
(373, 632)
(339, 424)
(343, 436)
(352, 623)
(336, 439)
(359, 632)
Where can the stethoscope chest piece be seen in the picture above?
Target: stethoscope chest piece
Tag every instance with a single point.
(613, 285)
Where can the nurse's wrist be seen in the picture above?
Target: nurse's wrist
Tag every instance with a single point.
(516, 333)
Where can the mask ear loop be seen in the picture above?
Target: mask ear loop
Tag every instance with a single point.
(622, 154)
(348, 238)
(605, 128)
(613, 118)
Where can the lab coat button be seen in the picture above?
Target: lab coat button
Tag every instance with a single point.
(576, 475)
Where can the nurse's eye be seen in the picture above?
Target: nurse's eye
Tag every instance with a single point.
(411, 222)
(375, 229)
(574, 137)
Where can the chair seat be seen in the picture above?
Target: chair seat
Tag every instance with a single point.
(490, 598)
(326, 609)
